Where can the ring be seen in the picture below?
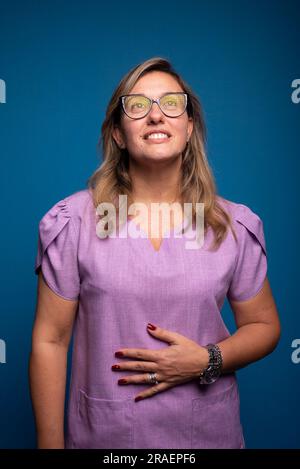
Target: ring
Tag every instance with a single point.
(153, 378)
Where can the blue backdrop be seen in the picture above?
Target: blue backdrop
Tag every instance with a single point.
(59, 64)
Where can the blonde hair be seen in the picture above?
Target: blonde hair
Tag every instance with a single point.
(112, 178)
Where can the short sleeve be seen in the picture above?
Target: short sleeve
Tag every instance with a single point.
(57, 251)
(251, 262)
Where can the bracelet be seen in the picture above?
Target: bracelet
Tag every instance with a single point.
(212, 372)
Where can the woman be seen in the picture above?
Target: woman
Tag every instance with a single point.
(171, 383)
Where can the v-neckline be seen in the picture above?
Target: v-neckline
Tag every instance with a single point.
(162, 239)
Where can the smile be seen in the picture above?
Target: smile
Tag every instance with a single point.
(157, 137)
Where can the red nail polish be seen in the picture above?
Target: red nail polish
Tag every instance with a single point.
(115, 367)
(138, 398)
(119, 354)
(151, 326)
(122, 381)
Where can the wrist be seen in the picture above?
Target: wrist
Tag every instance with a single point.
(214, 368)
(202, 361)
(205, 360)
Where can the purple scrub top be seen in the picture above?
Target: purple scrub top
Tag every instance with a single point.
(121, 285)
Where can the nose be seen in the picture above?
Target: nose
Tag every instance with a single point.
(155, 114)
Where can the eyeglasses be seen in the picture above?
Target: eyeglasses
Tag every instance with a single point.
(137, 106)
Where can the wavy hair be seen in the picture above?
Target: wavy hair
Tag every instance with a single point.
(112, 177)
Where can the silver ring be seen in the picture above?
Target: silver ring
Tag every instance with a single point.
(152, 378)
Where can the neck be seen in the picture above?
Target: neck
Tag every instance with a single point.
(158, 182)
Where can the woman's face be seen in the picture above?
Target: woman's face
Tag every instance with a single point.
(133, 133)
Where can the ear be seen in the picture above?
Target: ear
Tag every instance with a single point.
(190, 128)
(118, 137)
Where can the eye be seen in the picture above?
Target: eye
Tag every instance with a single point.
(138, 105)
(171, 103)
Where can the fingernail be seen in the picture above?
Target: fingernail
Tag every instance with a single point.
(119, 354)
(151, 326)
(138, 398)
(115, 367)
(122, 381)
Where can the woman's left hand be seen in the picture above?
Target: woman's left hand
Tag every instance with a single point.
(179, 363)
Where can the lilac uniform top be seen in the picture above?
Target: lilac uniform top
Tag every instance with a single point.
(122, 284)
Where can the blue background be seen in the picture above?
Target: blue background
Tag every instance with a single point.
(61, 61)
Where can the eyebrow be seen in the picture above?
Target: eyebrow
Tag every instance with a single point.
(163, 94)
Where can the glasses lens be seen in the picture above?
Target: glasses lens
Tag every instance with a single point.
(136, 106)
(173, 104)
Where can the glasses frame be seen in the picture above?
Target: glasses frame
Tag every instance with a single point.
(157, 101)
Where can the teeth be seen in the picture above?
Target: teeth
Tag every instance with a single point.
(157, 135)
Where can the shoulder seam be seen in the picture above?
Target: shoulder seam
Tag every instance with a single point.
(71, 215)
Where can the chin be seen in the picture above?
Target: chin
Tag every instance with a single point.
(166, 156)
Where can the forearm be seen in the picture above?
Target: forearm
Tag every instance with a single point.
(47, 371)
(249, 343)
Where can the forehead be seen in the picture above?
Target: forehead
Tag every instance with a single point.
(154, 84)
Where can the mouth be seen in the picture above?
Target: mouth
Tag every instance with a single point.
(157, 136)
